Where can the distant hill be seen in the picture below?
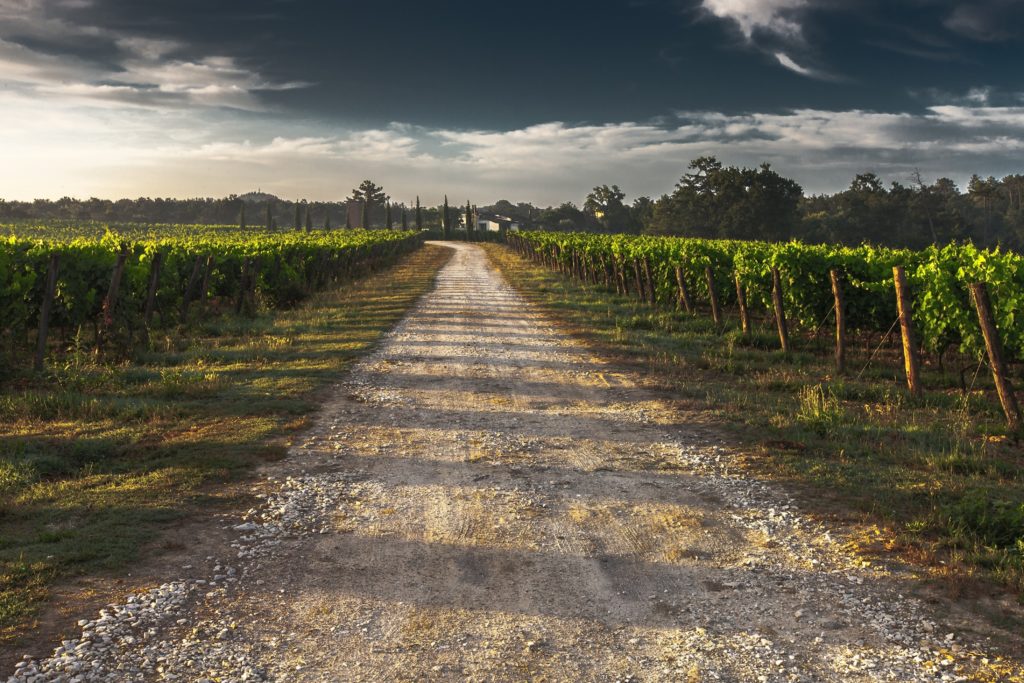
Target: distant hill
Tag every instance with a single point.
(258, 197)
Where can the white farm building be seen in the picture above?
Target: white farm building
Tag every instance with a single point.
(490, 222)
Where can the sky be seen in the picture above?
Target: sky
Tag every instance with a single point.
(526, 101)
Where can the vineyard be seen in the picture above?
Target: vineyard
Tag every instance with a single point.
(807, 285)
(113, 289)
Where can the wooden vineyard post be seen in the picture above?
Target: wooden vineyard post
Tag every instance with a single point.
(46, 310)
(154, 281)
(110, 302)
(780, 312)
(741, 300)
(994, 348)
(649, 281)
(716, 312)
(193, 280)
(837, 293)
(639, 282)
(243, 287)
(684, 293)
(604, 272)
(904, 308)
(254, 273)
(205, 286)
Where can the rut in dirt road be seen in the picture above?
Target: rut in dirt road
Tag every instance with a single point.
(484, 500)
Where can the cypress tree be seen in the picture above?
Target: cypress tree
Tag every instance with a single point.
(445, 228)
(241, 217)
(387, 216)
(405, 219)
(470, 228)
(309, 219)
(327, 220)
(298, 216)
(365, 219)
(419, 214)
(348, 217)
(270, 216)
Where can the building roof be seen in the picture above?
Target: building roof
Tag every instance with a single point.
(497, 218)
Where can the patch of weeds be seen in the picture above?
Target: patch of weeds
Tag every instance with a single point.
(983, 516)
(182, 383)
(754, 340)
(820, 409)
(16, 474)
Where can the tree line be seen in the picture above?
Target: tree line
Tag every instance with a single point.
(716, 201)
(373, 208)
(709, 200)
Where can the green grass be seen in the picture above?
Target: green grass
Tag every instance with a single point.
(939, 475)
(95, 459)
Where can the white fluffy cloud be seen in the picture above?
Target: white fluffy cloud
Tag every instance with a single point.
(787, 61)
(773, 16)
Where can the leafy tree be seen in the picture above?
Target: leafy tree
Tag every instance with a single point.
(605, 205)
(712, 200)
(566, 217)
(641, 213)
(984, 193)
(371, 195)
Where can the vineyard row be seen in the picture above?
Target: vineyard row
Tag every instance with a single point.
(940, 297)
(119, 290)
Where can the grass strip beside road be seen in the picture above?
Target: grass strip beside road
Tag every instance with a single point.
(96, 459)
(930, 478)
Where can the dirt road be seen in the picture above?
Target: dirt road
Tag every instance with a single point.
(484, 500)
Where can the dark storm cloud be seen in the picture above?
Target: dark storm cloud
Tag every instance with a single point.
(992, 21)
(535, 61)
(70, 50)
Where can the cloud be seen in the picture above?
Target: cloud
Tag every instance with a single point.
(787, 62)
(768, 25)
(987, 20)
(48, 55)
(772, 16)
(63, 147)
(394, 144)
(147, 48)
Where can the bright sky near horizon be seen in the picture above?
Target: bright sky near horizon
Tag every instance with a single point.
(527, 101)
